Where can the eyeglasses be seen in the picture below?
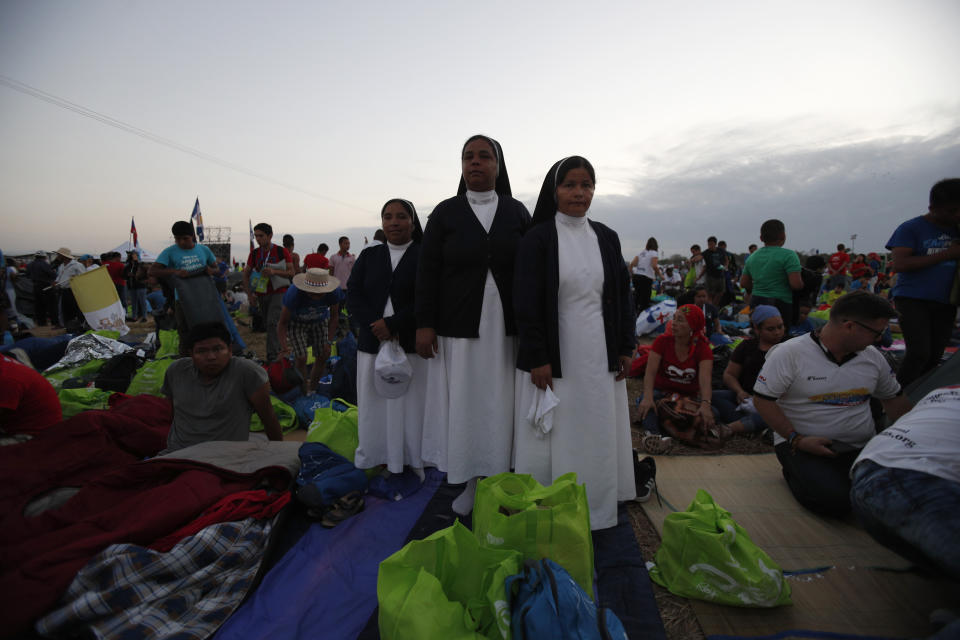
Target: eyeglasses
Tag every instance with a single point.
(876, 334)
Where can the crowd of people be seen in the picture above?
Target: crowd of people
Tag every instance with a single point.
(491, 340)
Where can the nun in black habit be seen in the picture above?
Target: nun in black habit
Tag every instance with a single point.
(380, 295)
(465, 322)
(576, 336)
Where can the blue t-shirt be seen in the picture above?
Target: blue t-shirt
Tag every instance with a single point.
(173, 257)
(925, 238)
(304, 309)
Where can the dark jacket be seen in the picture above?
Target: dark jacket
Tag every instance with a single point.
(371, 281)
(454, 260)
(535, 299)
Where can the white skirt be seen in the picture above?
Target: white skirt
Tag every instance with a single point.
(390, 429)
(468, 421)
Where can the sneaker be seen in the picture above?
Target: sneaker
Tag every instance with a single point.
(645, 476)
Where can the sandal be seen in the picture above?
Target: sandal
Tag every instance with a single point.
(657, 445)
(721, 431)
(345, 507)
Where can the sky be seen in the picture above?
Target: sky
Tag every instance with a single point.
(701, 117)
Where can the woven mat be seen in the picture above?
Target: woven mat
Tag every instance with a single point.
(866, 592)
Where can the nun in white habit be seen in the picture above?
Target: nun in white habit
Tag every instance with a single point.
(380, 295)
(465, 322)
(576, 337)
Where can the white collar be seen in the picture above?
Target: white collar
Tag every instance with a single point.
(481, 197)
(571, 221)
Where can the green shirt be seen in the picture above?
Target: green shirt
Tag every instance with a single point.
(769, 268)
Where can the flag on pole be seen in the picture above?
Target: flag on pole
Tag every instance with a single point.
(97, 298)
(197, 220)
(133, 232)
(252, 244)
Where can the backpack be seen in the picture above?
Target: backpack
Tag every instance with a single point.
(546, 602)
(326, 476)
(117, 372)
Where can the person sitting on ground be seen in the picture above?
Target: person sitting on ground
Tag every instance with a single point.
(772, 273)
(735, 403)
(859, 267)
(317, 260)
(214, 393)
(680, 362)
(28, 402)
(309, 315)
(838, 285)
(814, 391)
(672, 282)
(861, 283)
(699, 297)
(906, 484)
(804, 323)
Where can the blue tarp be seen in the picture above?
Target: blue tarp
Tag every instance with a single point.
(325, 586)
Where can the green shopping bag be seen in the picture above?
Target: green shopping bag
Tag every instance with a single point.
(446, 586)
(514, 511)
(86, 372)
(169, 344)
(73, 401)
(706, 555)
(149, 377)
(286, 415)
(336, 429)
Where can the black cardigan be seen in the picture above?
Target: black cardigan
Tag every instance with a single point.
(454, 260)
(371, 281)
(535, 299)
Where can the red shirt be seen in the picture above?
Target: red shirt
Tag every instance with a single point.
(115, 269)
(859, 269)
(316, 261)
(260, 258)
(28, 402)
(837, 264)
(677, 375)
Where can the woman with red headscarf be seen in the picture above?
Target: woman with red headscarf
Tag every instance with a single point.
(680, 362)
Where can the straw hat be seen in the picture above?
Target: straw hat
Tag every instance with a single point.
(315, 281)
(63, 251)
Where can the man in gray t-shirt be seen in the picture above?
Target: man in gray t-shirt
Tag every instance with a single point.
(214, 394)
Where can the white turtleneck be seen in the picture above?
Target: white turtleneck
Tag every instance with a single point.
(484, 205)
(396, 253)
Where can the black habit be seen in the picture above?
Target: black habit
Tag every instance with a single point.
(535, 299)
(454, 260)
(373, 279)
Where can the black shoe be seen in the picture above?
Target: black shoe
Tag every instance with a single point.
(645, 476)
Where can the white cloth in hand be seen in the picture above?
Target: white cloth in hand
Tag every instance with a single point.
(541, 411)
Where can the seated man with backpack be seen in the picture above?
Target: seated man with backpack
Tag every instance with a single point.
(214, 393)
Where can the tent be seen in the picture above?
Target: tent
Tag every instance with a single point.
(145, 255)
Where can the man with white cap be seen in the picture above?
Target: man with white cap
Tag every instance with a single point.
(68, 268)
(308, 317)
